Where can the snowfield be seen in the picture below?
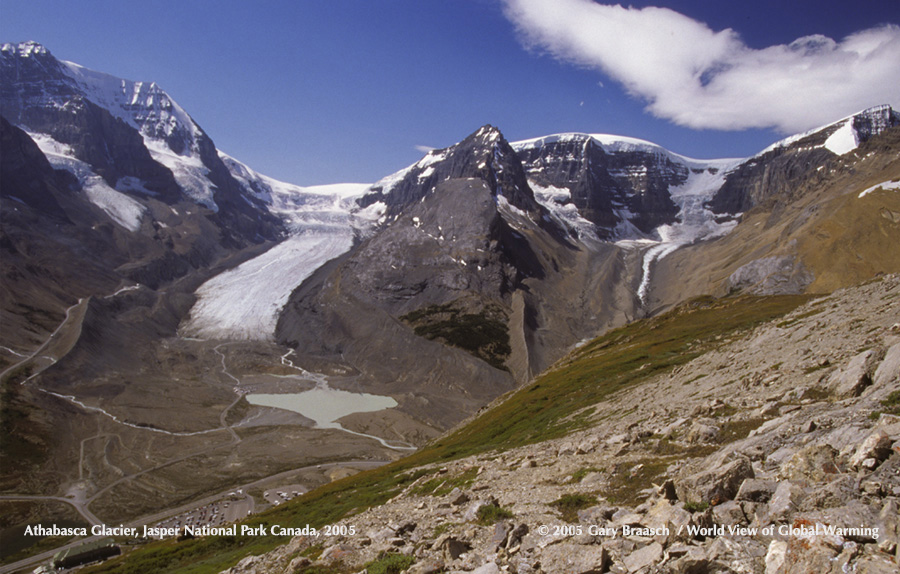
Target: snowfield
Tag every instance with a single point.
(122, 209)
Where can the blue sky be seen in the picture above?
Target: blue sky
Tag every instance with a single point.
(350, 90)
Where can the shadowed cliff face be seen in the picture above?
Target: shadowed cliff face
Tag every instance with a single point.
(603, 184)
(108, 123)
(26, 174)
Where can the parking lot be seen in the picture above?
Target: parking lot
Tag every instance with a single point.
(281, 494)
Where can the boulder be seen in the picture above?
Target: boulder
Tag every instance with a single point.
(663, 513)
(784, 501)
(702, 433)
(586, 446)
(689, 560)
(643, 557)
(888, 372)
(815, 463)
(852, 379)
(568, 557)
(427, 566)
(488, 568)
(810, 554)
(729, 513)
(877, 446)
(775, 557)
(756, 490)
(500, 535)
(715, 485)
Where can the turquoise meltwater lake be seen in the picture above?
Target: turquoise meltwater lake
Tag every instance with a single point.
(324, 405)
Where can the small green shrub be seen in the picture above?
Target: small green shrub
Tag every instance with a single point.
(692, 506)
(441, 528)
(491, 514)
(891, 406)
(390, 564)
(569, 505)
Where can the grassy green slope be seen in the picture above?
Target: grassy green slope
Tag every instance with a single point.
(554, 405)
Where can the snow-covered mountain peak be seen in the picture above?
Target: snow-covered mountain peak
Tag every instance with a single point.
(144, 105)
(35, 82)
(484, 154)
(611, 143)
(25, 49)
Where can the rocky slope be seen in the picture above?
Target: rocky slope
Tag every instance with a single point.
(775, 452)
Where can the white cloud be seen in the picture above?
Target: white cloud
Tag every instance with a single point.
(701, 78)
(424, 148)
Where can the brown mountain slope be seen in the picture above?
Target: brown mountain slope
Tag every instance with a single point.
(815, 236)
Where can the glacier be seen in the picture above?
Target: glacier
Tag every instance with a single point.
(245, 302)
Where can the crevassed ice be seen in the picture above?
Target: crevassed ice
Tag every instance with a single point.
(245, 302)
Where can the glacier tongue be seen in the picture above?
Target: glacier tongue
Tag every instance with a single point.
(695, 222)
(245, 302)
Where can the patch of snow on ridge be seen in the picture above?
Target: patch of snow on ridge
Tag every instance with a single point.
(244, 302)
(843, 140)
(189, 172)
(119, 207)
(425, 164)
(614, 143)
(886, 186)
(558, 202)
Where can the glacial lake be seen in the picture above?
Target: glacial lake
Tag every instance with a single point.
(323, 405)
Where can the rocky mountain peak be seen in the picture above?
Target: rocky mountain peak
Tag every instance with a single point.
(874, 121)
(37, 87)
(485, 154)
(619, 185)
(28, 49)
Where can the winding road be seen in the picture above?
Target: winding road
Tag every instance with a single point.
(37, 351)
